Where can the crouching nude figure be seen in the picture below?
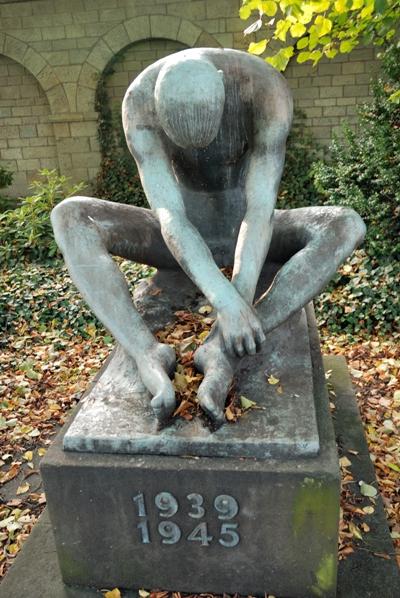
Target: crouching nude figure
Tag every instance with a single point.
(207, 128)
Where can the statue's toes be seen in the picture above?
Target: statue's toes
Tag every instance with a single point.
(163, 404)
(213, 409)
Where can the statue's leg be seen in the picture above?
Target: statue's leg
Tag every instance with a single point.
(88, 231)
(311, 243)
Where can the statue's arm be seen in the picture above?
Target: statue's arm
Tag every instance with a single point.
(261, 188)
(187, 245)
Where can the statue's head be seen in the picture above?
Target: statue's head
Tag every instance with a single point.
(189, 99)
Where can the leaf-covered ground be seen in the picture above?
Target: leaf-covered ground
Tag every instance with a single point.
(52, 346)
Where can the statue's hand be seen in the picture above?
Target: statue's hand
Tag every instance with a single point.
(240, 328)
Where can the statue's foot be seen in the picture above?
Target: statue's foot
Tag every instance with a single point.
(218, 370)
(155, 368)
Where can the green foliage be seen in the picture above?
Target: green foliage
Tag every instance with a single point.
(118, 179)
(313, 29)
(363, 298)
(364, 170)
(6, 179)
(25, 232)
(41, 298)
(297, 187)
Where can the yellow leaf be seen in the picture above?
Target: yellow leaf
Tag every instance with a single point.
(297, 30)
(245, 403)
(346, 46)
(229, 414)
(115, 593)
(203, 335)
(269, 8)
(320, 6)
(281, 59)
(23, 488)
(367, 11)
(272, 380)
(355, 531)
(344, 462)
(205, 309)
(282, 27)
(180, 382)
(303, 43)
(368, 510)
(357, 4)
(307, 13)
(41, 452)
(257, 48)
(28, 456)
(341, 6)
(244, 12)
(13, 548)
(323, 25)
(279, 389)
(144, 593)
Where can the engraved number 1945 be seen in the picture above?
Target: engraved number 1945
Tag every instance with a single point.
(225, 506)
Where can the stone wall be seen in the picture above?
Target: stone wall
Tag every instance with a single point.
(26, 137)
(63, 46)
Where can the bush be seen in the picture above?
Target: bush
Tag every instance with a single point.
(39, 298)
(364, 170)
(6, 179)
(297, 188)
(118, 179)
(363, 298)
(25, 232)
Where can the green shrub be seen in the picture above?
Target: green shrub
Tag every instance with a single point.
(363, 298)
(40, 298)
(364, 170)
(6, 179)
(297, 188)
(118, 179)
(25, 232)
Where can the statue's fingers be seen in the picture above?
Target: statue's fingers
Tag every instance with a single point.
(228, 342)
(259, 337)
(237, 342)
(250, 345)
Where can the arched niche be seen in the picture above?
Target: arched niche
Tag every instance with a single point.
(27, 140)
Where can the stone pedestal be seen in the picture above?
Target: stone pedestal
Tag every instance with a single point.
(198, 523)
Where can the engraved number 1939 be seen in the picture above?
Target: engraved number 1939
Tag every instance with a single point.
(225, 506)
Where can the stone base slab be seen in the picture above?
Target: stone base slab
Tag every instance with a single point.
(200, 524)
(116, 416)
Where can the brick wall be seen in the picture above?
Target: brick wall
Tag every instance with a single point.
(63, 46)
(26, 137)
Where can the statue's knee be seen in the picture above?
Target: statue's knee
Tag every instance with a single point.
(352, 226)
(66, 215)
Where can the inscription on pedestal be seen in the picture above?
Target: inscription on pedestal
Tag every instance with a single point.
(156, 522)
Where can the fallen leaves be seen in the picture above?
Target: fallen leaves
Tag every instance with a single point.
(375, 369)
(367, 489)
(186, 334)
(32, 407)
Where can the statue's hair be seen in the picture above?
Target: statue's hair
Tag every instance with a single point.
(189, 99)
